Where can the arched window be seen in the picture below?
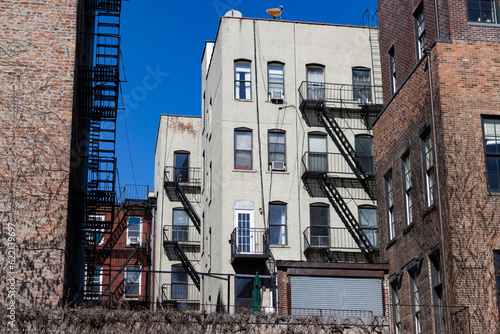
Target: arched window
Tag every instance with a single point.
(242, 79)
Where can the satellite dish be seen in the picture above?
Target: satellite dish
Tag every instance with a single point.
(233, 13)
(274, 12)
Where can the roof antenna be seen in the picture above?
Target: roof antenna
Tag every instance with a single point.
(275, 12)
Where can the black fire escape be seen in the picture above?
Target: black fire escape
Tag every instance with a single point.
(341, 177)
(98, 81)
(182, 242)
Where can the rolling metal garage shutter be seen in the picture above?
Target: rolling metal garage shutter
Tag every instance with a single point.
(336, 293)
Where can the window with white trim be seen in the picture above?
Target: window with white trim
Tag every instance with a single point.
(389, 200)
(277, 223)
(134, 230)
(243, 149)
(95, 236)
(277, 150)
(483, 11)
(428, 159)
(132, 282)
(396, 307)
(392, 68)
(93, 281)
(275, 77)
(437, 292)
(415, 302)
(320, 225)
(420, 32)
(407, 187)
(491, 139)
(367, 216)
(361, 85)
(242, 80)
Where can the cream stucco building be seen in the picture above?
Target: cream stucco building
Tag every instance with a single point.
(284, 154)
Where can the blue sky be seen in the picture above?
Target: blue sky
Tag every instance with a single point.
(162, 44)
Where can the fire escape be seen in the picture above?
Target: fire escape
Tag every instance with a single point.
(342, 177)
(182, 242)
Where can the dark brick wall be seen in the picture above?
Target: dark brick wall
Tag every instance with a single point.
(37, 52)
(465, 86)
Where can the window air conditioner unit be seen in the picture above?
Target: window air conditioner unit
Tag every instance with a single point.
(278, 165)
(277, 97)
(132, 240)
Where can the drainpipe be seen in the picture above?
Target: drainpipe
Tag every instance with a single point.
(440, 207)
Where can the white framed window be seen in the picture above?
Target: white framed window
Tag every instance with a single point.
(242, 80)
(389, 200)
(491, 140)
(315, 82)
(132, 282)
(415, 302)
(318, 156)
(179, 283)
(396, 307)
(180, 228)
(93, 280)
(361, 85)
(483, 11)
(428, 167)
(363, 150)
(392, 68)
(276, 85)
(95, 236)
(437, 293)
(420, 32)
(407, 187)
(319, 215)
(277, 223)
(277, 150)
(245, 231)
(242, 149)
(134, 230)
(367, 217)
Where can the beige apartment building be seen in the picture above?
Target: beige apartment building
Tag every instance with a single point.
(276, 178)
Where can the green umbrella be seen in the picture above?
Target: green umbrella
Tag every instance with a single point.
(256, 299)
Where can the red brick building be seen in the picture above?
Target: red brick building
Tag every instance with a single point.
(437, 160)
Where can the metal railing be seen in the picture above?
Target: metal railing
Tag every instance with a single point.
(336, 238)
(180, 292)
(181, 233)
(250, 241)
(185, 175)
(334, 163)
(361, 95)
(131, 191)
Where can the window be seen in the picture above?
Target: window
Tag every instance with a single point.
(276, 82)
(389, 200)
(406, 172)
(320, 225)
(491, 137)
(180, 228)
(245, 235)
(277, 223)
(277, 146)
(363, 146)
(415, 302)
(392, 67)
(181, 161)
(95, 236)
(244, 290)
(484, 11)
(318, 153)
(396, 307)
(496, 257)
(368, 222)
(93, 281)
(315, 82)
(437, 293)
(133, 230)
(242, 80)
(361, 88)
(428, 159)
(132, 281)
(243, 149)
(179, 283)
(420, 32)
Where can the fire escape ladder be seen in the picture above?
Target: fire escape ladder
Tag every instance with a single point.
(345, 147)
(119, 272)
(113, 238)
(187, 264)
(191, 212)
(346, 215)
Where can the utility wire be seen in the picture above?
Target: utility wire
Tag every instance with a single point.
(125, 120)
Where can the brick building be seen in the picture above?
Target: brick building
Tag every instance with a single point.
(437, 162)
(59, 83)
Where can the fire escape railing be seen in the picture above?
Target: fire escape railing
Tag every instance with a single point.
(336, 93)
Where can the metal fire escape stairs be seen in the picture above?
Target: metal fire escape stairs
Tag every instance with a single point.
(328, 185)
(174, 250)
(99, 81)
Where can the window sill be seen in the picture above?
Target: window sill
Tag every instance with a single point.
(428, 210)
(244, 100)
(484, 24)
(492, 193)
(283, 172)
(390, 243)
(280, 246)
(408, 228)
(245, 170)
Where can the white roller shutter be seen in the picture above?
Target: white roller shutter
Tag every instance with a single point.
(337, 293)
